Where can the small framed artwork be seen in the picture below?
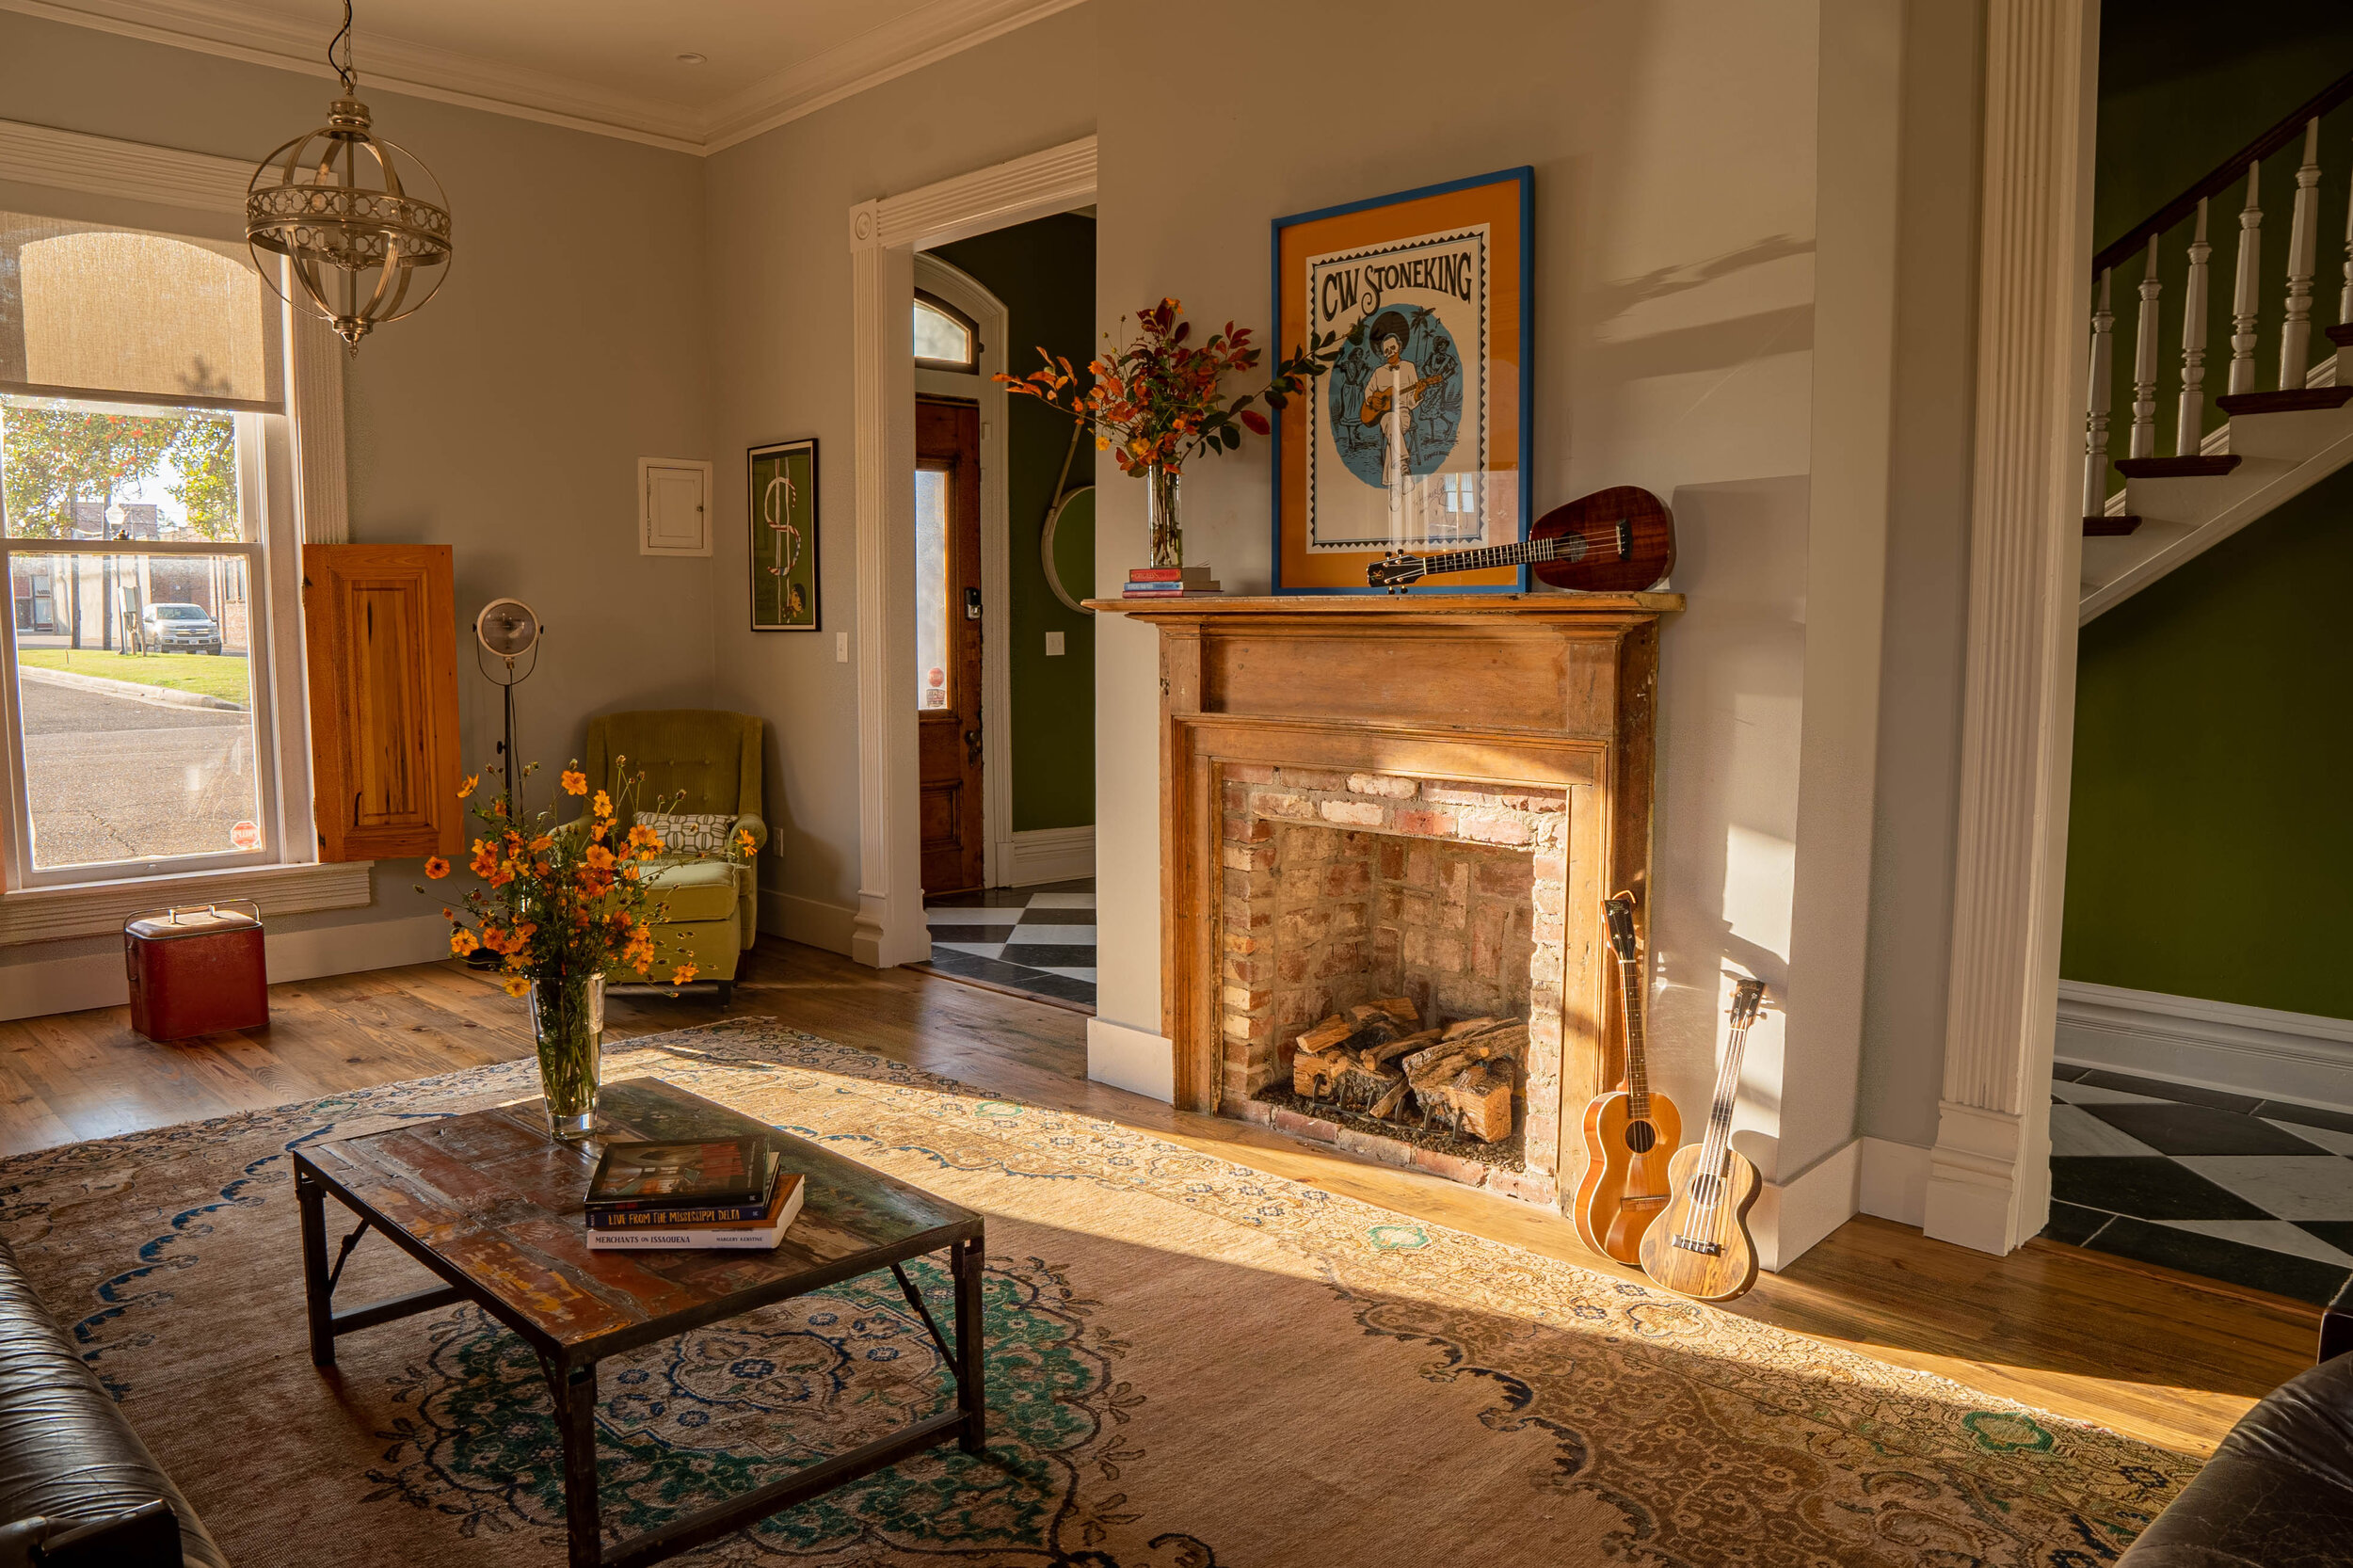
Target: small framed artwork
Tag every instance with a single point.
(1418, 439)
(784, 537)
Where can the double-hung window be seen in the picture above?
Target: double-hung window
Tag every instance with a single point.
(144, 481)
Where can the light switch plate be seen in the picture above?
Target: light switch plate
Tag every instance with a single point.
(842, 647)
(1053, 645)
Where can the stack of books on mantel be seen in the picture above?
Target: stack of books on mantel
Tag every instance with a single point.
(1171, 583)
(725, 1193)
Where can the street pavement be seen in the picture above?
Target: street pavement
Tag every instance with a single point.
(114, 778)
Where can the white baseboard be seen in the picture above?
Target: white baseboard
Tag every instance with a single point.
(1133, 1059)
(96, 980)
(1050, 855)
(1791, 1216)
(2216, 1045)
(1894, 1181)
(809, 920)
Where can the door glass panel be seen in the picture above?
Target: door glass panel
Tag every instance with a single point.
(931, 588)
(134, 691)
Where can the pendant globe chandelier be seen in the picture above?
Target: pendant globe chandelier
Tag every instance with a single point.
(340, 204)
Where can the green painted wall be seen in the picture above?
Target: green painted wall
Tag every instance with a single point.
(2210, 847)
(1044, 273)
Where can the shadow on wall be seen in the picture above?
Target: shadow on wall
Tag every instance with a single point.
(1731, 673)
(793, 858)
(1772, 311)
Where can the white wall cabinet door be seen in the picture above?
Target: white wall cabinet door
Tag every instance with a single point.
(672, 506)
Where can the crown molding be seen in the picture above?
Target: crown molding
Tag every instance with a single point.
(907, 44)
(232, 29)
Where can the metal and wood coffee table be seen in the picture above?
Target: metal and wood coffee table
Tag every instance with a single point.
(492, 1206)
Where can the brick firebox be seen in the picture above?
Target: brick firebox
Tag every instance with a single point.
(1342, 887)
(1547, 698)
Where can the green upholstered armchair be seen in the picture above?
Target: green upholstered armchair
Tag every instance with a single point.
(714, 758)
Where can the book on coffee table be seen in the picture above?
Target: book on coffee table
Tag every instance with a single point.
(663, 1228)
(726, 1173)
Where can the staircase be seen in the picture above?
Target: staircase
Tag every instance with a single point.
(2274, 443)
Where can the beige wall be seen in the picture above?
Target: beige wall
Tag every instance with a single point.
(1673, 147)
(778, 280)
(1927, 576)
(505, 418)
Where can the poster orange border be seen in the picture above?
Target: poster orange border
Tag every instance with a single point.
(1504, 201)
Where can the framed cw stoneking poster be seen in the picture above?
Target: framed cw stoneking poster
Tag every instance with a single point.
(1418, 437)
(784, 537)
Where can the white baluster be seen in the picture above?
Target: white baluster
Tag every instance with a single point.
(2345, 296)
(2187, 431)
(2243, 305)
(2144, 437)
(2096, 423)
(2296, 333)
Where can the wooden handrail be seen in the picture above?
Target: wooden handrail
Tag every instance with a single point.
(2226, 174)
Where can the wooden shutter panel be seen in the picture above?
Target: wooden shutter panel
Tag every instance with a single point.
(380, 628)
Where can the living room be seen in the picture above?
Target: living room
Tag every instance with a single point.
(1780, 322)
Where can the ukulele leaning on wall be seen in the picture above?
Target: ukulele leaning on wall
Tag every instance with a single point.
(1701, 1247)
(1630, 1131)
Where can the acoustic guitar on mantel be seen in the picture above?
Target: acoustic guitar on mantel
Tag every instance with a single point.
(1701, 1246)
(1620, 541)
(1630, 1131)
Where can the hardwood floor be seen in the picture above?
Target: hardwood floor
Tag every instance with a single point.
(2167, 1357)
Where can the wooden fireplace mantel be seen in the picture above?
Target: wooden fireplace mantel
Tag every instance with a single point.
(1416, 606)
(1552, 691)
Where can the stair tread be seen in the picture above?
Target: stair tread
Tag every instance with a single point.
(2240, 404)
(2178, 468)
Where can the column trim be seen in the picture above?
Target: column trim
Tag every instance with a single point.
(1989, 1180)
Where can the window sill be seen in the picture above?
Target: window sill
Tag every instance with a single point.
(99, 908)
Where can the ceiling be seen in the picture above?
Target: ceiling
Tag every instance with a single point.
(607, 66)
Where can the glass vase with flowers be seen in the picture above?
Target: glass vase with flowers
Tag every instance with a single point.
(561, 905)
(1159, 403)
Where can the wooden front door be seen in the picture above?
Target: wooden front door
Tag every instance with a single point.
(948, 630)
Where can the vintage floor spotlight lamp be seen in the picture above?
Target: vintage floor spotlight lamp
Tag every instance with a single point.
(508, 630)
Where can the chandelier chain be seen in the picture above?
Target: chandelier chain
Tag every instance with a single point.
(351, 82)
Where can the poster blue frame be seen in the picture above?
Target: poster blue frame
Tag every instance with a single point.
(1525, 177)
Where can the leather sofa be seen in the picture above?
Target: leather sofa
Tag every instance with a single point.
(2278, 1491)
(77, 1487)
(711, 759)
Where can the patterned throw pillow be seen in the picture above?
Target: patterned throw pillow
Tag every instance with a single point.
(690, 832)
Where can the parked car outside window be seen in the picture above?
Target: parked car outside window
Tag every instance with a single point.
(184, 628)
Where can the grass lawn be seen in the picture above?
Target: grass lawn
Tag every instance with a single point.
(210, 674)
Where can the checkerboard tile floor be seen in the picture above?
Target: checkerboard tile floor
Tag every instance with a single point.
(1038, 940)
(2256, 1193)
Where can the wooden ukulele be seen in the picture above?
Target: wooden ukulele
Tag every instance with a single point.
(1614, 541)
(1630, 1131)
(1701, 1246)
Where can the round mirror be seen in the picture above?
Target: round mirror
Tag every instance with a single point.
(1067, 548)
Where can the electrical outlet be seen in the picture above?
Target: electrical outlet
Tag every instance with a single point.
(1053, 645)
(842, 647)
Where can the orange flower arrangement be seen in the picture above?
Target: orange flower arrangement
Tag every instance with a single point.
(556, 902)
(560, 904)
(1156, 403)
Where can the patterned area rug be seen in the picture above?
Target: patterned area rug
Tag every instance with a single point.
(1190, 1364)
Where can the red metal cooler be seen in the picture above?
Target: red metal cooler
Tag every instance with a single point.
(196, 970)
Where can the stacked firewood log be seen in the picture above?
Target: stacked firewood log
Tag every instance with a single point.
(1378, 1060)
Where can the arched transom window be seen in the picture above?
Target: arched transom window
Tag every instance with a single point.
(945, 337)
